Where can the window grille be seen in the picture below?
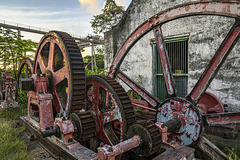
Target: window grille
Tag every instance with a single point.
(178, 55)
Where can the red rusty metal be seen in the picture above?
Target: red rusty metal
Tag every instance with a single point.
(108, 106)
(8, 91)
(223, 8)
(40, 111)
(140, 103)
(139, 90)
(218, 119)
(189, 115)
(73, 150)
(111, 152)
(163, 131)
(164, 136)
(209, 103)
(26, 64)
(216, 62)
(59, 58)
(166, 66)
(185, 108)
(108, 102)
(66, 128)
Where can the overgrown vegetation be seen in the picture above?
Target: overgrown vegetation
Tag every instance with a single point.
(98, 69)
(13, 48)
(12, 148)
(110, 16)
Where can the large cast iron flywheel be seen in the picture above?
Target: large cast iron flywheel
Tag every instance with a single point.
(111, 107)
(60, 59)
(193, 110)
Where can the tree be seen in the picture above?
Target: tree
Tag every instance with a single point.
(99, 60)
(12, 48)
(111, 16)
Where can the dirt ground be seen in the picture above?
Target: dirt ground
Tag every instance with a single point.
(34, 148)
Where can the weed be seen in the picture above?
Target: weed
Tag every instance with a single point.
(11, 147)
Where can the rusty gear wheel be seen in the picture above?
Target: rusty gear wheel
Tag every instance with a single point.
(84, 125)
(111, 107)
(60, 59)
(25, 69)
(150, 136)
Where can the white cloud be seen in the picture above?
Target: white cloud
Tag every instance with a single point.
(92, 6)
(121, 3)
(66, 20)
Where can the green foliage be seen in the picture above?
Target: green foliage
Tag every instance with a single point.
(111, 16)
(22, 99)
(96, 71)
(99, 69)
(12, 48)
(11, 147)
(100, 49)
(135, 95)
(99, 60)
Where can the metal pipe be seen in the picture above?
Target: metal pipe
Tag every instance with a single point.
(127, 145)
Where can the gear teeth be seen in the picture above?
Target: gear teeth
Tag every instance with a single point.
(88, 125)
(155, 136)
(126, 104)
(77, 72)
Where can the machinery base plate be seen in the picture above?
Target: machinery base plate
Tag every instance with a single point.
(58, 150)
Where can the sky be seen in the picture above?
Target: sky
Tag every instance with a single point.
(72, 16)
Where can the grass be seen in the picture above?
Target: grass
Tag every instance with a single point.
(233, 153)
(11, 147)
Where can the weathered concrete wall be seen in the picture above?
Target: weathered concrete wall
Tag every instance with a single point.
(205, 35)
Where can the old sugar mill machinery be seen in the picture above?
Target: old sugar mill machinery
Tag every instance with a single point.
(79, 117)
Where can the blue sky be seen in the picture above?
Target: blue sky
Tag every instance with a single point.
(71, 16)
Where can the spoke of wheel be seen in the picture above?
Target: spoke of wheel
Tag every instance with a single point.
(60, 75)
(154, 102)
(215, 63)
(51, 57)
(165, 63)
(213, 151)
(56, 100)
(41, 64)
(218, 119)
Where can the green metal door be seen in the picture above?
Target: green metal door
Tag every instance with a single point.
(178, 55)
